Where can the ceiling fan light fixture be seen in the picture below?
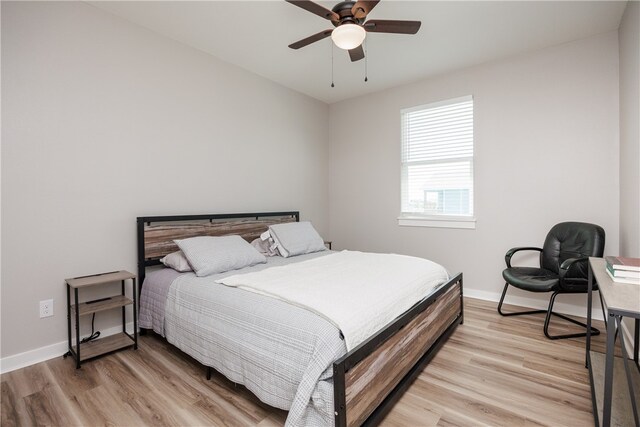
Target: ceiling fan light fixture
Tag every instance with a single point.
(348, 36)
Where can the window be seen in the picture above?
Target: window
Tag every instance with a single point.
(437, 164)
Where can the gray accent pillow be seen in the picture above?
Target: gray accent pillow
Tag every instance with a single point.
(296, 238)
(265, 247)
(210, 255)
(177, 261)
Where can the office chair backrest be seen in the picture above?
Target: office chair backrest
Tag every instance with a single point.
(572, 240)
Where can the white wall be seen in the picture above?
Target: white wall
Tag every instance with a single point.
(104, 121)
(546, 147)
(629, 36)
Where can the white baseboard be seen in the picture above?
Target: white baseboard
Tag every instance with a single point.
(31, 357)
(628, 339)
(570, 309)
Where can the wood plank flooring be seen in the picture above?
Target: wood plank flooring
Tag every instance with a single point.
(493, 371)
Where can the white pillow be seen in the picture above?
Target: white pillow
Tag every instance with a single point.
(177, 261)
(296, 238)
(210, 255)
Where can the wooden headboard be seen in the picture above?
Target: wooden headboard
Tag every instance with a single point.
(157, 233)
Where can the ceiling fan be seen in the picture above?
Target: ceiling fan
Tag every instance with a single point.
(351, 27)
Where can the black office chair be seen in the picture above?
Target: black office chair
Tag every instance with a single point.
(563, 268)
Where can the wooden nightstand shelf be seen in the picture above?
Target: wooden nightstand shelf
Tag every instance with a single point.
(89, 350)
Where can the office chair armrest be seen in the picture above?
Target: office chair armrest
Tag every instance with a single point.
(510, 252)
(567, 264)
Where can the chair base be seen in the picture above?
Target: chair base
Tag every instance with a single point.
(547, 319)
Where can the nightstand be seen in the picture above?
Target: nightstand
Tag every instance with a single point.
(88, 350)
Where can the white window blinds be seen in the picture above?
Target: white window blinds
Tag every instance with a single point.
(437, 159)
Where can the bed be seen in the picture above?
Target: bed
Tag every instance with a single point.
(289, 357)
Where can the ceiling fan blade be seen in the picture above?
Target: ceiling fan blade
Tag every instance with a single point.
(311, 39)
(398, 27)
(316, 9)
(356, 54)
(362, 8)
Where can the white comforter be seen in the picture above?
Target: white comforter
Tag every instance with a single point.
(359, 292)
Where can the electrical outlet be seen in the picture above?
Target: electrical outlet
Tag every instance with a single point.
(46, 308)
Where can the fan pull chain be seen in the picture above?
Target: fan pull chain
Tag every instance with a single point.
(332, 85)
(366, 55)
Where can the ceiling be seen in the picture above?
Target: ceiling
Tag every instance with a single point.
(254, 35)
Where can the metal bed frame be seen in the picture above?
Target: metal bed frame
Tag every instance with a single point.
(370, 378)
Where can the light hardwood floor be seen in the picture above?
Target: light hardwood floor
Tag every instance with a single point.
(493, 371)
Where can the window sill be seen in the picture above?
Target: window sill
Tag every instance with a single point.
(444, 222)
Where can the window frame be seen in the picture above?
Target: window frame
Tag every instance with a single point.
(438, 220)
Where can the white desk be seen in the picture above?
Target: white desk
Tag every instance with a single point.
(617, 405)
